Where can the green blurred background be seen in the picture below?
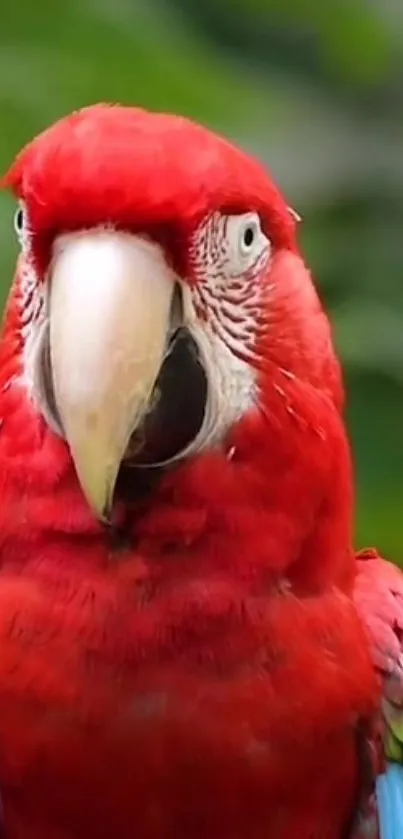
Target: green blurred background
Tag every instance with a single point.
(315, 89)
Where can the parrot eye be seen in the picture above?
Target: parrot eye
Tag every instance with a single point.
(19, 221)
(246, 241)
(248, 236)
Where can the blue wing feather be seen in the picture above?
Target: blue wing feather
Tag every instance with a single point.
(389, 794)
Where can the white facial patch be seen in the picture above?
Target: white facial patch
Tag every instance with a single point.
(33, 301)
(231, 386)
(229, 254)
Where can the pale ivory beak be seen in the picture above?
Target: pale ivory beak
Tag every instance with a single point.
(110, 299)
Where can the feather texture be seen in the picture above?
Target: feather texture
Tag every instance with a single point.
(389, 790)
(379, 598)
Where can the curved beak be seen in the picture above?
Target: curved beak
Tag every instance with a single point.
(110, 303)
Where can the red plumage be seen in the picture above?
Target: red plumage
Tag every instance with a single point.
(199, 669)
(378, 595)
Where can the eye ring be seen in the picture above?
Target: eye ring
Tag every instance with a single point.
(19, 221)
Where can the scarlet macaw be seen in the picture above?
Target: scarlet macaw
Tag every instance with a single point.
(185, 642)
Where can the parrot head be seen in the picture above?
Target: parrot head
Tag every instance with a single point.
(160, 304)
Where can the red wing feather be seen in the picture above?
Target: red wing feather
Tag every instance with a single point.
(379, 599)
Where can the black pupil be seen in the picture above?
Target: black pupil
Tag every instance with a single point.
(248, 236)
(19, 219)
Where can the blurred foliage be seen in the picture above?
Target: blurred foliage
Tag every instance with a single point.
(315, 90)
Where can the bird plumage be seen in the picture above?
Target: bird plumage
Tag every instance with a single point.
(197, 667)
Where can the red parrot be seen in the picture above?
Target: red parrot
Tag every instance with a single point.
(185, 645)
